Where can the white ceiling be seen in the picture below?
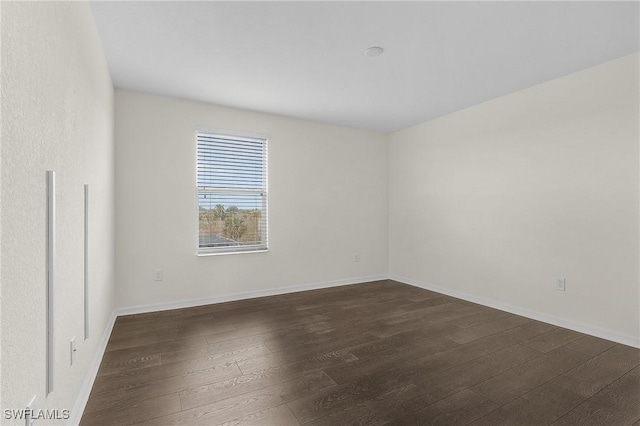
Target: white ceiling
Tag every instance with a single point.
(307, 59)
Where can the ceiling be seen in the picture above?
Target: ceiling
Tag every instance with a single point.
(306, 59)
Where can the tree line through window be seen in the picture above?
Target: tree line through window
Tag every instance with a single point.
(232, 223)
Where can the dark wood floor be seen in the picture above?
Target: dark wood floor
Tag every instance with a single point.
(375, 353)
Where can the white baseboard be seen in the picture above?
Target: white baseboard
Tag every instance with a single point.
(85, 390)
(517, 310)
(139, 309)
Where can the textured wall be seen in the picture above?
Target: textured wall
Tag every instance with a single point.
(497, 200)
(327, 200)
(57, 113)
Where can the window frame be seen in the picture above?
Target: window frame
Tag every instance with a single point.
(225, 250)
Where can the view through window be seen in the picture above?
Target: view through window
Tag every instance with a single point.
(232, 193)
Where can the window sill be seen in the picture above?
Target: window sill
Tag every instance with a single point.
(223, 253)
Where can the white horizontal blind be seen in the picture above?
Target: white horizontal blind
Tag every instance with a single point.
(232, 193)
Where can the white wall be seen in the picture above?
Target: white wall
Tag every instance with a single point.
(327, 200)
(57, 113)
(496, 200)
(493, 201)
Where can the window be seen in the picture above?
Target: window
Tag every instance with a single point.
(232, 193)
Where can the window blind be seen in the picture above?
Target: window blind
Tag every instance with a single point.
(232, 193)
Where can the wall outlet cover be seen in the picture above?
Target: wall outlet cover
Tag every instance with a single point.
(72, 350)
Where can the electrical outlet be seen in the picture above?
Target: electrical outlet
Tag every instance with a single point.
(561, 284)
(158, 275)
(29, 411)
(72, 350)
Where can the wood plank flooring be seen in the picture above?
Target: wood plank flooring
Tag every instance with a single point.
(374, 353)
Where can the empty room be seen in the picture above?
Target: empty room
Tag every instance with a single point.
(320, 213)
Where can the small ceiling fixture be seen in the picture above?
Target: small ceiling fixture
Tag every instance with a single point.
(374, 51)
